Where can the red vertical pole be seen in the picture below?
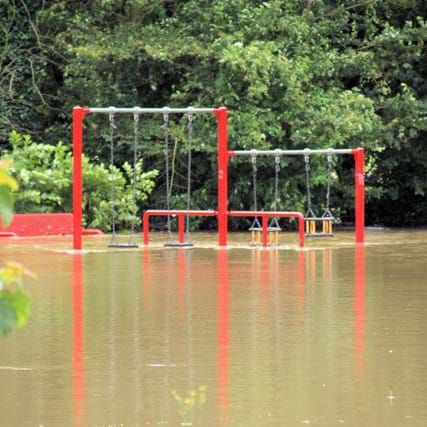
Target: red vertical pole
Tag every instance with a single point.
(301, 225)
(146, 227)
(181, 237)
(264, 231)
(359, 159)
(78, 116)
(221, 114)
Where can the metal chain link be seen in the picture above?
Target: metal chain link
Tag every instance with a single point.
(112, 179)
(276, 182)
(190, 143)
(255, 224)
(166, 142)
(310, 213)
(327, 212)
(274, 223)
(254, 179)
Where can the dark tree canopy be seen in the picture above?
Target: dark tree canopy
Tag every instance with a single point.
(294, 74)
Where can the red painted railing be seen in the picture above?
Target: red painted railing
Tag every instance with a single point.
(265, 215)
(181, 214)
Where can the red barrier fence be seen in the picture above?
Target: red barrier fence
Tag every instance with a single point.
(44, 224)
(181, 214)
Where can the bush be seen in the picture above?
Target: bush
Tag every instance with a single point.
(44, 174)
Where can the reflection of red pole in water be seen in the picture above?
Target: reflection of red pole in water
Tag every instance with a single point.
(327, 265)
(222, 369)
(301, 281)
(78, 342)
(146, 279)
(181, 280)
(312, 265)
(265, 266)
(359, 306)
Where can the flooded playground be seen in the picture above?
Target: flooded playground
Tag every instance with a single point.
(334, 334)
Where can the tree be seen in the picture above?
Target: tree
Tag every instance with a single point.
(293, 73)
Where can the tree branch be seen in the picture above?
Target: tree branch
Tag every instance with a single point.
(34, 28)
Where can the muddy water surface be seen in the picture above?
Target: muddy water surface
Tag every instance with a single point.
(332, 335)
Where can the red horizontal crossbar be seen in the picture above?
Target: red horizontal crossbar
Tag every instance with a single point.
(159, 212)
(179, 213)
(268, 214)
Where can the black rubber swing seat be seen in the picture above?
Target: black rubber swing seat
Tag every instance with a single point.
(318, 235)
(123, 245)
(178, 245)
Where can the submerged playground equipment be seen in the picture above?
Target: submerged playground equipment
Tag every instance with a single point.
(260, 232)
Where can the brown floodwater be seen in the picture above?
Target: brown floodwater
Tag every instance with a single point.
(334, 334)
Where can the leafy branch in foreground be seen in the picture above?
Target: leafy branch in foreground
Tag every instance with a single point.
(14, 301)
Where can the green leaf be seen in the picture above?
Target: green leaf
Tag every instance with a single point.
(7, 314)
(21, 304)
(6, 204)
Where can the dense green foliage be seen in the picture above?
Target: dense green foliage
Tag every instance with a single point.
(294, 73)
(44, 174)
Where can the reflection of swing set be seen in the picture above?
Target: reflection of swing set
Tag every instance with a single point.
(264, 233)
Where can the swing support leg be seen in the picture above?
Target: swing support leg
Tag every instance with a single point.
(181, 234)
(264, 231)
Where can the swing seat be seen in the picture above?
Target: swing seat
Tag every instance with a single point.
(273, 234)
(273, 237)
(256, 236)
(256, 233)
(123, 245)
(178, 245)
(310, 226)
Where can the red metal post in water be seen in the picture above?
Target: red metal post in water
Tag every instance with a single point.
(301, 225)
(359, 159)
(221, 114)
(78, 116)
(264, 231)
(181, 233)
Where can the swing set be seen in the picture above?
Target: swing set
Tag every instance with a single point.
(264, 233)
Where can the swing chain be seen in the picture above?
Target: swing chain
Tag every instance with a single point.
(190, 143)
(254, 178)
(256, 226)
(327, 212)
(310, 213)
(274, 223)
(112, 179)
(166, 142)
(276, 182)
